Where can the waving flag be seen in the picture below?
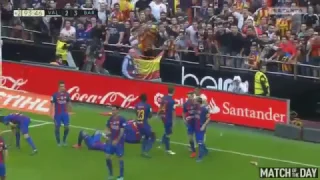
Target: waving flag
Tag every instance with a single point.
(148, 69)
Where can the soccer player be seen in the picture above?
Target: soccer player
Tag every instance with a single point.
(60, 106)
(115, 128)
(143, 113)
(202, 120)
(188, 115)
(20, 124)
(3, 155)
(167, 106)
(93, 142)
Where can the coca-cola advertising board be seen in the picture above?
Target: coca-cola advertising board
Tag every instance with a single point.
(246, 110)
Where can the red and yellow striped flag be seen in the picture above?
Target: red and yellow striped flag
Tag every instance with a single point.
(148, 69)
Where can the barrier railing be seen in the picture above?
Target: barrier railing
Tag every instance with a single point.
(207, 59)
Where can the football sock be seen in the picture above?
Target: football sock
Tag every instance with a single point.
(201, 150)
(121, 163)
(109, 165)
(144, 145)
(30, 142)
(18, 139)
(57, 134)
(167, 143)
(65, 134)
(193, 149)
(80, 138)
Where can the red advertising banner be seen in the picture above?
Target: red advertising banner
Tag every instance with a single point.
(225, 107)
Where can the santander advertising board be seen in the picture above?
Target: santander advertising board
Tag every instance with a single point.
(245, 110)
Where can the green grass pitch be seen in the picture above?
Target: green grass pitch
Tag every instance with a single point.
(232, 149)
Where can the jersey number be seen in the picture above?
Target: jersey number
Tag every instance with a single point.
(163, 108)
(140, 115)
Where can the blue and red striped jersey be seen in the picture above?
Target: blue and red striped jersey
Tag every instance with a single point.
(143, 111)
(167, 107)
(115, 124)
(60, 101)
(202, 117)
(190, 109)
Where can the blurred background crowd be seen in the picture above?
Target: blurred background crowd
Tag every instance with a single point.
(234, 33)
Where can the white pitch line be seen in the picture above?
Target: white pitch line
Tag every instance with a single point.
(213, 149)
(32, 126)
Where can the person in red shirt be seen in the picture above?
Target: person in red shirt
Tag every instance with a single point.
(315, 53)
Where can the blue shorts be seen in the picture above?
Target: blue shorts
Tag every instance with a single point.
(91, 140)
(61, 118)
(145, 131)
(24, 126)
(200, 136)
(168, 129)
(2, 170)
(118, 149)
(190, 128)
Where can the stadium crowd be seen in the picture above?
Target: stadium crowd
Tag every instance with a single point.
(233, 33)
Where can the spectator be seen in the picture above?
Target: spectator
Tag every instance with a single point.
(68, 31)
(87, 6)
(236, 47)
(95, 57)
(128, 67)
(116, 13)
(238, 86)
(81, 34)
(55, 25)
(103, 13)
(311, 19)
(115, 32)
(192, 31)
(157, 7)
(141, 5)
(98, 31)
(127, 32)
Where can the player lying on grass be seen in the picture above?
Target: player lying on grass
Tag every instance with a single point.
(19, 123)
(93, 142)
(3, 155)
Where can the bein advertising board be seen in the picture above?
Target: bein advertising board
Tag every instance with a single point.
(224, 107)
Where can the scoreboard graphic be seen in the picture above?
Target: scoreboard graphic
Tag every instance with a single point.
(55, 12)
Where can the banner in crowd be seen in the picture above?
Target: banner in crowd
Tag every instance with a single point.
(148, 69)
(21, 100)
(245, 110)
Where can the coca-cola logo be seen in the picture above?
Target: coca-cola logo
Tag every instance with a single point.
(107, 99)
(10, 83)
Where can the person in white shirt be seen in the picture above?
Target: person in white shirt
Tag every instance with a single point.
(157, 7)
(192, 31)
(242, 17)
(68, 31)
(237, 86)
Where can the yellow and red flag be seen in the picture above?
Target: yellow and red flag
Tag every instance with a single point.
(148, 69)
